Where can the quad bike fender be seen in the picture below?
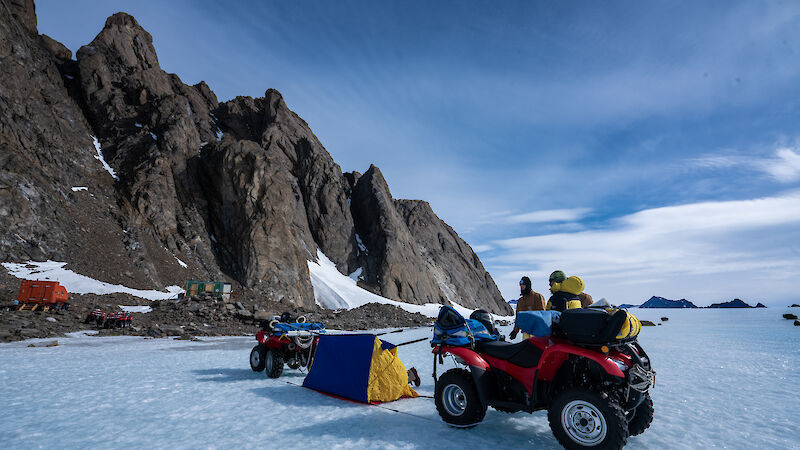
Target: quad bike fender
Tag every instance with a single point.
(555, 355)
(469, 357)
(271, 341)
(478, 367)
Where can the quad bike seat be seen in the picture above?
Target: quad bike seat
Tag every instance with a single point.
(523, 354)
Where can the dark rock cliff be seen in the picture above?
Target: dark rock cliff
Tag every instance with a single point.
(241, 190)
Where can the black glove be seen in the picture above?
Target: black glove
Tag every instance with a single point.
(513, 335)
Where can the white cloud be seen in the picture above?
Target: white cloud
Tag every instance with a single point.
(785, 167)
(704, 251)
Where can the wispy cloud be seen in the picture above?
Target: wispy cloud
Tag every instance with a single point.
(783, 165)
(546, 216)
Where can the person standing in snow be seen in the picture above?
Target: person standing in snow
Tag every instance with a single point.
(528, 301)
(559, 277)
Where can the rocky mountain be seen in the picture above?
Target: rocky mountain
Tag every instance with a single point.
(120, 169)
(661, 302)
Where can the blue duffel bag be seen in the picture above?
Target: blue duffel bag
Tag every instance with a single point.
(537, 323)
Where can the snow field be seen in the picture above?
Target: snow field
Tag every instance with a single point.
(726, 379)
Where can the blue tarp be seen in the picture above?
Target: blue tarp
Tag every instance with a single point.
(341, 366)
(537, 323)
(282, 328)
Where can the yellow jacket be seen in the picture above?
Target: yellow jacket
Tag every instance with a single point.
(565, 294)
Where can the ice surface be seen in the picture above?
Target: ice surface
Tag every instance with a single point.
(183, 264)
(153, 135)
(333, 290)
(726, 379)
(80, 284)
(99, 157)
(79, 188)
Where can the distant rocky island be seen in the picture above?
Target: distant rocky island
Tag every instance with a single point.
(661, 302)
(735, 303)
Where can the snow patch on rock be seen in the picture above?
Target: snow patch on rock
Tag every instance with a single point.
(99, 157)
(80, 284)
(355, 276)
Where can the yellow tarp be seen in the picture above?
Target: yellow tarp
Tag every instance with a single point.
(388, 379)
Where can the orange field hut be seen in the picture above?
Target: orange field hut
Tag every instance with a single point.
(44, 295)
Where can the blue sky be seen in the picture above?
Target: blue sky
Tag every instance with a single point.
(653, 149)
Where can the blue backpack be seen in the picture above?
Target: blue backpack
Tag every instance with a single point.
(452, 329)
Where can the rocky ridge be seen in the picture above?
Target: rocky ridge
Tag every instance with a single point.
(240, 190)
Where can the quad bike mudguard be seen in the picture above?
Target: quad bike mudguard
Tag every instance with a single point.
(555, 355)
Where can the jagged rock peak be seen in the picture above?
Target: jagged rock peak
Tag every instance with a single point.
(122, 37)
(121, 19)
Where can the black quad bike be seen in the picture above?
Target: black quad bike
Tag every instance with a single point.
(594, 385)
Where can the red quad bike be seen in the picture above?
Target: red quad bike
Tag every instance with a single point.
(281, 343)
(596, 394)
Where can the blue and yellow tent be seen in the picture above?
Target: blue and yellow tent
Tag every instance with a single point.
(358, 367)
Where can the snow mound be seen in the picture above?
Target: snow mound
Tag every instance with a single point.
(80, 284)
(334, 290)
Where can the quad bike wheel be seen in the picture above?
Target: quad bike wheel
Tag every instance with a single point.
(581, 418)
(273, 363)
(257, 357)
(457, 399)
(641, 417)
